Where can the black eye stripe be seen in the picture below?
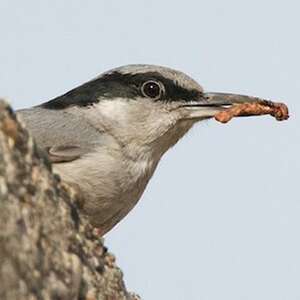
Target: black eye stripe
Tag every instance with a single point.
(118, 85)
(173, 91)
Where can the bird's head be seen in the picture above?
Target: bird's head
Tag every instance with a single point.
(148, 105)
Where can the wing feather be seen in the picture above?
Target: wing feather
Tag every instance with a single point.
(65, 137)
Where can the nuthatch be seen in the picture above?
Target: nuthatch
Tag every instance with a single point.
(108, 135)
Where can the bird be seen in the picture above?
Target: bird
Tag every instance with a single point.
(107, 136)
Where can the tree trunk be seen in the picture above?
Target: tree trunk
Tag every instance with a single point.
(47, 250)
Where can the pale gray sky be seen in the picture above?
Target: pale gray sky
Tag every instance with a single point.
(221, 217)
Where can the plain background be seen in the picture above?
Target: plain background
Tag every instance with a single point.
(220, 218)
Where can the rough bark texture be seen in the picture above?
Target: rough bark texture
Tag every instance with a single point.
(47, 251)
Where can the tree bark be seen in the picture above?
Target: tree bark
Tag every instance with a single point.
(47, 249)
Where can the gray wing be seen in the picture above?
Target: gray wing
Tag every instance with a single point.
(64, 136)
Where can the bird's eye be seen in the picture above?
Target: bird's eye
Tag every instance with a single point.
(152, 89)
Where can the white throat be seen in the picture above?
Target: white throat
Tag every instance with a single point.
(143, 130)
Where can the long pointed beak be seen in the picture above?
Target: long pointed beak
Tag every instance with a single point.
(212, 103)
